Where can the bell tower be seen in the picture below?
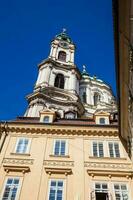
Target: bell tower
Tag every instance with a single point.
(62, 49)
(57, 85)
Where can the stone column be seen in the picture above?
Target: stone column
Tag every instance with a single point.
(45, 76)
(72, 56)
(73, 82)
(88, 93)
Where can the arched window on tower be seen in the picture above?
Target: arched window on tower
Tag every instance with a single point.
(59, 81)
(62, 56)
(96, 98)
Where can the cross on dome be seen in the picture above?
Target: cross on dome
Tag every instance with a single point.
(84, 69)
(64, 30)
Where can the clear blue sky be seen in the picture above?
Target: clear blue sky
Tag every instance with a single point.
(26, 29)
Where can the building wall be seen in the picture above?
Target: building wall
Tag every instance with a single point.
(124, 64)
(79, 168)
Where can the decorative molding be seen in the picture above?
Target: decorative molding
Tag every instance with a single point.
(64, 171)
(58, 163)
(18, 161)
(23, 169)
(48, 130)
(97, 165)
(110, 173)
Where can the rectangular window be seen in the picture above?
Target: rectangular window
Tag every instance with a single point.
(98, 149)
(11, 189)
(121, 192)
(56, 190)
(60, 147)
(114, 150)
(101, 191)
(22, 145)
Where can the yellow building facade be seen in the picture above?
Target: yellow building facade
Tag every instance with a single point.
(85, 167)
(61, 149)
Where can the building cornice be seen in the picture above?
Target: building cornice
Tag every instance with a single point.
(48, 129)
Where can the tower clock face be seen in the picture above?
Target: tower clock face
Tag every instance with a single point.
(64, 45)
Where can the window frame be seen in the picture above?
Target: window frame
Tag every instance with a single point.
(57, 179)
(59, 81)
(102, 119)
(28, 146)
(66, 147)
(45, 122)
(96, 98)
(18, 188)
(120, 190)
(98, 154)
(114, 150)
(60, 56)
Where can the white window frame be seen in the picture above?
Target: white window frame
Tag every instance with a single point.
(66, 146)
(114, 152)
(121, 183)
(98, 149)
(18, 188)
(100, 182)
(28, 146)
(63, 190)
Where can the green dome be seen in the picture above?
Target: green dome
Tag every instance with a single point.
(63, 36)
(84, 72)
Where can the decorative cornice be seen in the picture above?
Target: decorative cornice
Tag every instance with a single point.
(58, 163)
(64, 171)
(23, 169)
(18, 161)
(107, 166)
(109, 173)
(60, 129)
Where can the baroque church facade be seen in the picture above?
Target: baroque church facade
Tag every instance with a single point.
(67, 146)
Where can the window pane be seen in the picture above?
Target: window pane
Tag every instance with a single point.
(117, 152)
(60, 183)
(57, 148)
(46, 119)
(104, 186)
(9, 181)
(56, 190)
(63, 144)
(102, 120)
(95, 149)
(111, 150)
(121, 192)
(22, 145)
(100, 149)
(97, 186)
(11, 189)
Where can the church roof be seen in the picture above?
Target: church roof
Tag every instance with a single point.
(64, 36)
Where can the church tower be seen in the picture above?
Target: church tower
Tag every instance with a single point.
(57, 85)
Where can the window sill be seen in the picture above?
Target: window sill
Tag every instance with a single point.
(59, 156)
(106, 158)
(20, 154)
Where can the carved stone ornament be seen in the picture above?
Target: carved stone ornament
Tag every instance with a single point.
(58, 163)
(18, 161)
(64, 171)
(23, 169)
(115, 166)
